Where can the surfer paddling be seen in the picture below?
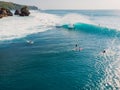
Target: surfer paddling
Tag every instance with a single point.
(78, 48)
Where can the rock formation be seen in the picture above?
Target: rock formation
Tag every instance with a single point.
(5, 12)
(17, 12)
(24, 11)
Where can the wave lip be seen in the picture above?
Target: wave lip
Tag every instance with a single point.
(91, 28)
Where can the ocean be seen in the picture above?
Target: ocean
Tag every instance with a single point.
(61, 50)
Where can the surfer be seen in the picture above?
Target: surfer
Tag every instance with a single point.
(71, 26)
(29, 41)
(104, 51)
(76, 47)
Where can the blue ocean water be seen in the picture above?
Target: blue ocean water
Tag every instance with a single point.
(53, 62)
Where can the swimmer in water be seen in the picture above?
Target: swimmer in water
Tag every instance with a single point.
(104, 51)
(76, 47)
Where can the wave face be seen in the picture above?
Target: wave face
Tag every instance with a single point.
(89, 28)
(92, 23)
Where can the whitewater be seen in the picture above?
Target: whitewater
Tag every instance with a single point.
(18, 27)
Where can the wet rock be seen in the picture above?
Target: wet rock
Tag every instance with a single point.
(5, 12)
(24, 11)
(17, 12)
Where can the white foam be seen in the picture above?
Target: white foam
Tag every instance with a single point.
(75, 18)
(109, 22)
(17, 27)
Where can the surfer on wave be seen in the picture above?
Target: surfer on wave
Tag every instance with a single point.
(103, 51)
(30, 42)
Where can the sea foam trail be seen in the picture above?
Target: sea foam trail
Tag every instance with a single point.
(17, 27)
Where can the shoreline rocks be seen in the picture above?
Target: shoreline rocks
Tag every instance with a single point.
(24, 11)
(5, 12)
(17, 12)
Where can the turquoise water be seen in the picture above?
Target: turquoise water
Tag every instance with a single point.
(52, 63)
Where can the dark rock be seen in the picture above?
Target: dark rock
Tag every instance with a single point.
(1, 16)
(22, 14)
(17, 12)
(9, 13)
(5, 12)
(24, 11)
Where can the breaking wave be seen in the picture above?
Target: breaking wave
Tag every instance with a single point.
(17, 27)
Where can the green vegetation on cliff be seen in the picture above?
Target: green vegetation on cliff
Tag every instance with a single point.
(14, 6)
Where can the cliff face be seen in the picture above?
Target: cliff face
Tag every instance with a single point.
(14, 6)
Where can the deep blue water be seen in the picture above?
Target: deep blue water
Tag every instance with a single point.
(52, 63)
